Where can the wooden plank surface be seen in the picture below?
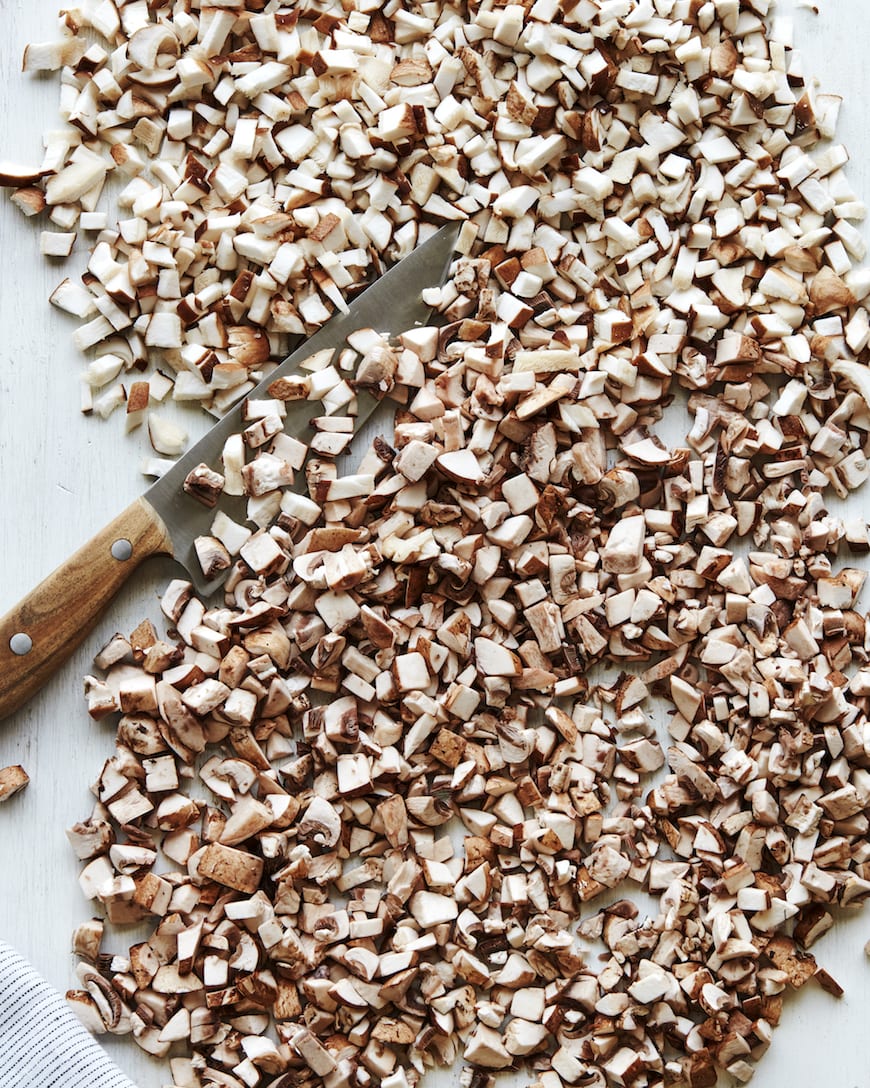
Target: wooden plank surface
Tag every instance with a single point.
(62, 476)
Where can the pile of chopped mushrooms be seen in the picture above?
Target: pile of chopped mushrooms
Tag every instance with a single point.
(398, 798)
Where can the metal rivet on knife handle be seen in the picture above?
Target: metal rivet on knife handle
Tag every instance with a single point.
(122, 550)
(21, 643)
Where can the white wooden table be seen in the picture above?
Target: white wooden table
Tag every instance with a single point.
(62, 476)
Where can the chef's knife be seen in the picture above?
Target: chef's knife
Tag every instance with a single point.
(43, 630)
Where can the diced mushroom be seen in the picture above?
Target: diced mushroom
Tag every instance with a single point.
(12, 781)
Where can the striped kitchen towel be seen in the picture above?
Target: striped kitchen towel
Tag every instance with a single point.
(42, 1043)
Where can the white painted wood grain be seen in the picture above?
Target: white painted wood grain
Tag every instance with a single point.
(62, 476)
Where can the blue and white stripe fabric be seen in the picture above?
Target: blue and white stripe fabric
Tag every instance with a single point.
(42, 1042)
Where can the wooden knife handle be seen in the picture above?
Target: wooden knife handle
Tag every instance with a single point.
(41, 631)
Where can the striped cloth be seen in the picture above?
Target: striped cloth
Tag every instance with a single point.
(42, 1042)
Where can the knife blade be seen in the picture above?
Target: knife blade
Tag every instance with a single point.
(40, 633)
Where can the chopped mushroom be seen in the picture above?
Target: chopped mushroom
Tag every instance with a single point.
(12, 781)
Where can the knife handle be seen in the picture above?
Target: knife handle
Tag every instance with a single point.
(42, 631)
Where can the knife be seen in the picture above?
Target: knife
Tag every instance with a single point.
(41, 632)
